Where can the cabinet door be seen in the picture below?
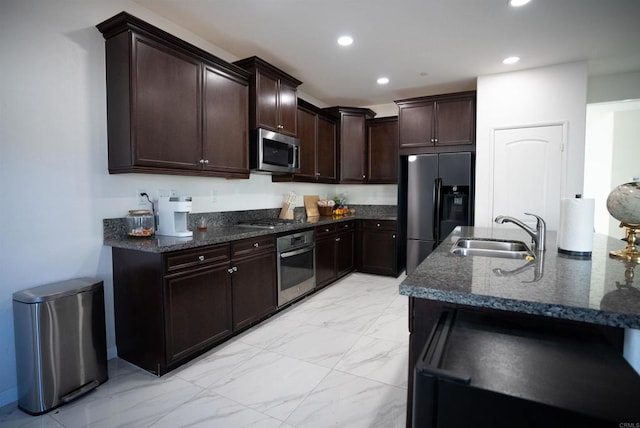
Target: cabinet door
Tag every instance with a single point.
(266, 102)
(226, 123)
(198, 310)
(326, 149)
(455, 122)
(382, 150)
(307, 135)
(352, 148)
(166, 106)
(253, 289)
(416, 125)
(287, 109)
(325, 261)
(344, 253)
(378, 252)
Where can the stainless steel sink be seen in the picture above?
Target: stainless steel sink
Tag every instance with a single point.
(492, 248)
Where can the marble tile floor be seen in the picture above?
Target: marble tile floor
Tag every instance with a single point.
(335, 359)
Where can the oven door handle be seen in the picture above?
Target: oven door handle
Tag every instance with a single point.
(296, 252)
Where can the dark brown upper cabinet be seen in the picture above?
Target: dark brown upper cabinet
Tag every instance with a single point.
(437, 123)
(317, 134)
(382, 150)
(274, 99)
(352, 142)
(172, 108)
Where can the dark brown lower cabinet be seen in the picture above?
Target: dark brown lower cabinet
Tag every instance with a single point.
(334, 252)
(377, 249)
(198, 310)
(171, 307)
(254, 289)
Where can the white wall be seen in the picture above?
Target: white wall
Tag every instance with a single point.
(611, 156)
(614, 87)
(546, 95)
(53, 157)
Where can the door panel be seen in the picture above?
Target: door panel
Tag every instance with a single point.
(527, 173)
(417, 251)
(422, 172)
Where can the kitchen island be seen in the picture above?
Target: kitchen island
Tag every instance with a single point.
(597, 291)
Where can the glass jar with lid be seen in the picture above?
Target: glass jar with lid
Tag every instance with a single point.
(140, 223)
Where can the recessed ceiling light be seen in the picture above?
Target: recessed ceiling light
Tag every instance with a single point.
(511, 60)
(383, 80)
(518, 3)
(345, 40)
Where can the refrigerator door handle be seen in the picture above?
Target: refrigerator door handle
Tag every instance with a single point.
(437, 196)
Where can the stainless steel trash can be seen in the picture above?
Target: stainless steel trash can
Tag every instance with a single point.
(60, 336)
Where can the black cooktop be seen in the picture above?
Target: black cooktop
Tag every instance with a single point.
(266, 223)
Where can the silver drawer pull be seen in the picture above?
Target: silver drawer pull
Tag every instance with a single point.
(337, 239)
(393, 236)
(256, 245)
(235, 268)
(378, 225)
(230, 270)
(201, 258)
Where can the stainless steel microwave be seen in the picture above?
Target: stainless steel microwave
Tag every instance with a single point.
(274, 152)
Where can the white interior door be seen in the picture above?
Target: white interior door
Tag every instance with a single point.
(527, 173)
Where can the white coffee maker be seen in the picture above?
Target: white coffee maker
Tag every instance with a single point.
(173, 212)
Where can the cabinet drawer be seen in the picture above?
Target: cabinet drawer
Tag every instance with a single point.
(253, 246)
(325, 230)
(348, 225)
(378, 225)
(197, 257)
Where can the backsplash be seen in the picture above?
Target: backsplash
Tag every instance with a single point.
(116, 227)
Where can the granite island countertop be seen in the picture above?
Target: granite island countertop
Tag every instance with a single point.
(115, 236)
(599, 290)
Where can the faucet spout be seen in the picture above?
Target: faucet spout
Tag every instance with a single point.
(538, 234)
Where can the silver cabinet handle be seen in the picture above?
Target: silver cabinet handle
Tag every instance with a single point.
(230, 270)
(393, 236)
(280, 126)
(206, 161)
(317, 174)
(364, 176)
(201, 258)
(378, 225)
(235, 268)
(436, 141)
(337, 239)
(256, 245)
(201, 161)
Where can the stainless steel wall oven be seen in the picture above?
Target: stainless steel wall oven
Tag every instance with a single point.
(296, 265)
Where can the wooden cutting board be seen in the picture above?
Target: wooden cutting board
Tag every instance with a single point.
(311, 205)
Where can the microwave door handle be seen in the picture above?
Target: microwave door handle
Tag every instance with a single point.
(296, 157)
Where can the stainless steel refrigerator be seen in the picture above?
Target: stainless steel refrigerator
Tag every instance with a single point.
(439, 198)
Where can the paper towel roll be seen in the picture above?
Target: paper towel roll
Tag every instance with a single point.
(575, 232)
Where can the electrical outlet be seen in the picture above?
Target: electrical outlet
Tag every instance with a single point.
(142, 200)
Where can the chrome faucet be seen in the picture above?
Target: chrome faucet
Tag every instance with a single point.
(537, 236)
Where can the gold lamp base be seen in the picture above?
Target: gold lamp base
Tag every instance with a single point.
(630, 253)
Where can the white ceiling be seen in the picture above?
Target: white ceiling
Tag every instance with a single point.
(423, 46)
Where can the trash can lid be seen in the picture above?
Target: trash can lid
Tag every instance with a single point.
(56, 290)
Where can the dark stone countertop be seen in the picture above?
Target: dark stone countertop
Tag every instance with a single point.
(599, 290)
(223, 228)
